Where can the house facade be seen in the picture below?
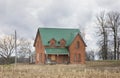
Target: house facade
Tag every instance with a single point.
(59, 45)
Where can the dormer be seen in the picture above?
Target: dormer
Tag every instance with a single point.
(52, 42)
(62, 43)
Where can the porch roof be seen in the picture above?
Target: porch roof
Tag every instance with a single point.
(57, 51)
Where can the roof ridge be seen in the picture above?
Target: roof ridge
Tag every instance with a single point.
(57, 48)
(56, 28)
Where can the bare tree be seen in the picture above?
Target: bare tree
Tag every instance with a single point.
(90, 55)
(102, 32)
(118, 49)
(25, 48)
(113, 22)
(6, 47)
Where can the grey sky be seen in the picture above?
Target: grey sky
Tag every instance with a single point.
(27, 15)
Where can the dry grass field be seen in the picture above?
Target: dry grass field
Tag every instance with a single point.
(96, 69)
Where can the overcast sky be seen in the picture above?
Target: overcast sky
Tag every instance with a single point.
(26, 16)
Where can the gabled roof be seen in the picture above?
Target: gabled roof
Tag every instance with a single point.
(57, 33)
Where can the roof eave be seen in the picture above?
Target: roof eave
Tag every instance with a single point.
(36, 38)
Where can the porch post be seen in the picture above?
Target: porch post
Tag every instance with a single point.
(68, 58)
(46, 58)
(57, 58)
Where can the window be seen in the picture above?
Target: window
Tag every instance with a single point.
(52, 42)
(37, 44)
(40, 57)
(77, 44)
(64, 59)
(37, 57)
(79, 58)
(75, 58)
(53, 57)
(62, 42)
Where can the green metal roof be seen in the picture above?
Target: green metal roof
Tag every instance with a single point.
(59, 51)
(49, 33)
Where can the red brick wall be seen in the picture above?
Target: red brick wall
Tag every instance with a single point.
(39, 48)
(75, 53)
(62, 59)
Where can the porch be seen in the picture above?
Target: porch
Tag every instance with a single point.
(57, 55)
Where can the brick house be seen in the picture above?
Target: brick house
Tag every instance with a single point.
(59, 45)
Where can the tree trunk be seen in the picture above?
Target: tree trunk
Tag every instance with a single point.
(105, 46)
(118, 50)
(114, 48)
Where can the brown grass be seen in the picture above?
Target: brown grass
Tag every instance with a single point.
(90, 70)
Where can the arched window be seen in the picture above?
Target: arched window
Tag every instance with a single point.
(77, 44)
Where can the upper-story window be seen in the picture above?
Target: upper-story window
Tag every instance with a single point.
(52, 42)
(77, 44)
(62, 42)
